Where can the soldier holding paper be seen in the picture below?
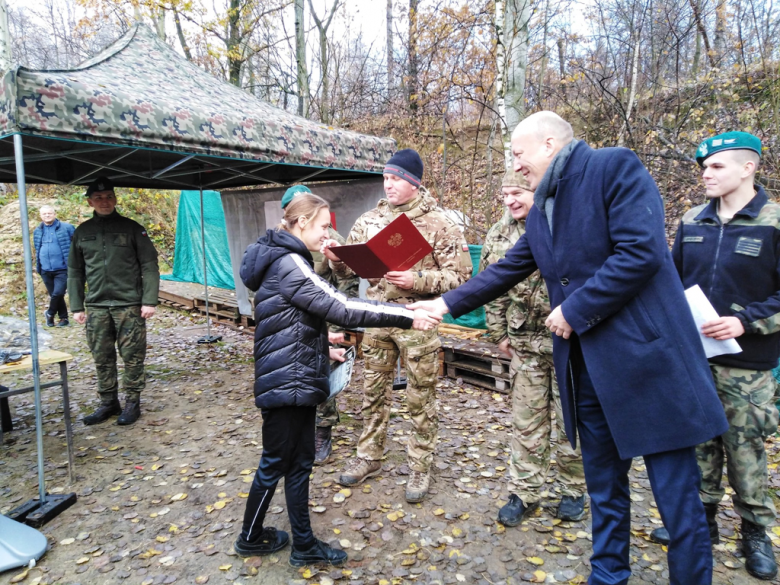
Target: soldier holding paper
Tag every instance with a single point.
(444, 269)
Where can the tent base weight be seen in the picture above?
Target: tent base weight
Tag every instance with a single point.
(35, 514)
(399, 383)
(210, 339)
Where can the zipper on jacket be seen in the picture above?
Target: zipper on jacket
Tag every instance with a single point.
(717, 255)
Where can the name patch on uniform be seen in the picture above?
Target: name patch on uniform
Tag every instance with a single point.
(748, 247)
(688, 239)
(87, 238)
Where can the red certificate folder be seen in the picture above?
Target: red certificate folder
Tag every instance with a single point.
(399, 246)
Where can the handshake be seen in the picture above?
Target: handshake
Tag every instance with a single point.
(428, 314)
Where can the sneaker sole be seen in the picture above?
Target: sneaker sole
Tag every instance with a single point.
(299, 564)
(576, 518)
(520, 521)
(254, 553)
(359, 481)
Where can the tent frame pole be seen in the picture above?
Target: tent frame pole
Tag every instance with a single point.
(21, 186)
(209, 338)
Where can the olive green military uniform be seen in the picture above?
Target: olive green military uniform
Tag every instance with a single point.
(328, 412)
(520, 315)
(446, 268)
(113, 257)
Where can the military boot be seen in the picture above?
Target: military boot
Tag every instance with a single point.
(131, 412)
(513, 512)
(322, 445)
(359, 470)
(103, 412)
(571, 509)
(417, 486)
(759, 559)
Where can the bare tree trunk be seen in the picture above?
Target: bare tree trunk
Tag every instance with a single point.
(323, 30)
(562, 57)
(512, 17)
(702, 31)
(543, 66)
(720, 30)
(390, 80)
(159, 22)
(180, 33)
(6, 59)
(632, 91)
(413, 74)
(233, 44)
(300, 58)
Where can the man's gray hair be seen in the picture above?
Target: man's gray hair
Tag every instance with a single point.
(47, 207)
(546, 124)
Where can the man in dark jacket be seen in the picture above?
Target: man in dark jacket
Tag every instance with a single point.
(51, 240)
(112, 256)
(633, 375)
(730, 248)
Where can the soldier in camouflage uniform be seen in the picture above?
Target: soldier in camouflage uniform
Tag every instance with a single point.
(447, 267)
(516, 320)
(112, 256)
(731, 249)
(328, 411)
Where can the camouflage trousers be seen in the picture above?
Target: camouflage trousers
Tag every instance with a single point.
(748, 399)
(107, 330)
(328, 413)
(534, 398)
(381, 348)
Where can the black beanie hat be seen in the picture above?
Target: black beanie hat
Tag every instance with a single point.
(406, 164)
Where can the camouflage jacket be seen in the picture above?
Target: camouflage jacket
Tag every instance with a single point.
(519, 314)
(444, 269)
(348, 284)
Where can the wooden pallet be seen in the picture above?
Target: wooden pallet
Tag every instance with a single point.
(221, 304)
(175, 300)
(478, 363)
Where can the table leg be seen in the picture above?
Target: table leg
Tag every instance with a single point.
(68, 426)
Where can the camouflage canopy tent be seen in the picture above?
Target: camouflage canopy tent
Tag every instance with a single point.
(146, 117)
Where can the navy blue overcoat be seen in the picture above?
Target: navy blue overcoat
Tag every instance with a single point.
(608, 265)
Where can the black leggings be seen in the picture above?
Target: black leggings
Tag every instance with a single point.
(288, 452)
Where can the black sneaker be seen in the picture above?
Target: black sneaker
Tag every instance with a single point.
(269, 541)
(319, 553)
(49, 319)
(571, 509)
(63, 323)
(513, 512)
(131, 413)
(103, 413)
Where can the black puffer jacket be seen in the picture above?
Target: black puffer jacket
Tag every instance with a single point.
(292, 307)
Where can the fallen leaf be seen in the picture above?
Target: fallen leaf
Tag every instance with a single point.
(20, 577)
(179, 497)
(225, 567)
(535, 561)
(202, 579)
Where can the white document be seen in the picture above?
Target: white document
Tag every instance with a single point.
(703, 311)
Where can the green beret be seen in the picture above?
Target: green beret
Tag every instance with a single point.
(292, 192)
(727, 141)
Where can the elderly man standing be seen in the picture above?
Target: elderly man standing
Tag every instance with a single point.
(328, 411)
(112, 256)
(51, 240)
(516, 321)
(448, 266)
(633, 375)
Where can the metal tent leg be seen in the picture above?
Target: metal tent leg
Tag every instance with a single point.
(209, 338)
(35, 513)
(21, 185)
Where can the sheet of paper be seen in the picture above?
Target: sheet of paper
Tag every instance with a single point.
(341, 373)
(703, 311)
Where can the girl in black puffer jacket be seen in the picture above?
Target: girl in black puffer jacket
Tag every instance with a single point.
(292, 308)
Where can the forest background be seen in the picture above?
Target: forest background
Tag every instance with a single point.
(449, 78)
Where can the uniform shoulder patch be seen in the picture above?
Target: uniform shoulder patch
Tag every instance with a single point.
(465, 247)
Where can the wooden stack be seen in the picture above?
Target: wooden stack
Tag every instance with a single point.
(477, 362)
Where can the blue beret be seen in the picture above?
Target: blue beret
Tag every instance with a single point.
(727, 141)
(292, 192)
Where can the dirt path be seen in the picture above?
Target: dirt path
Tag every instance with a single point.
(162, 501)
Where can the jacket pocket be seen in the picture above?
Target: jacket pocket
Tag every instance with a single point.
(120, 240)
(641, 317)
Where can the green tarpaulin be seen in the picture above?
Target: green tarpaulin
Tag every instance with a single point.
(188, 255)
(475, 319)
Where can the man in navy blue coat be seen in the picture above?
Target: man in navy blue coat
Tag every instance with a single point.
(633, 376)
